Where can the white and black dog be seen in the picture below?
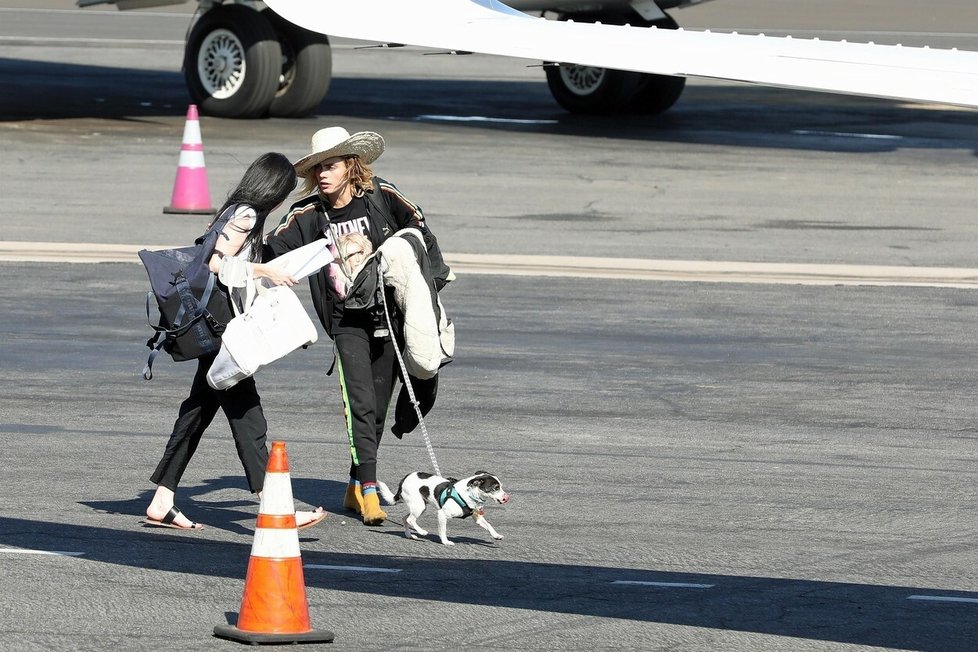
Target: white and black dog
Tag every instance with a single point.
(451, 497)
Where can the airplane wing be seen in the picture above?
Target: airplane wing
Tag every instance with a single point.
(490, 27)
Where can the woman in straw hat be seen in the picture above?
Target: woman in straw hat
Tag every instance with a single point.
(345, 201)
(267, 182)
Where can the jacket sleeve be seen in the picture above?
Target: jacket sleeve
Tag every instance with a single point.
(408, 214)
(288, 235)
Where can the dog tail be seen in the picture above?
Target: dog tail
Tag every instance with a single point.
(386, 493)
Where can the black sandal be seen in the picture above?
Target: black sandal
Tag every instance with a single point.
(167, 521)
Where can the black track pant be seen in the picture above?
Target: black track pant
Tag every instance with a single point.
(242, 407)
(367, 370)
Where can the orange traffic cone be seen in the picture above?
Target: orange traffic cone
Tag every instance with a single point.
(274, 607)
(191, 195)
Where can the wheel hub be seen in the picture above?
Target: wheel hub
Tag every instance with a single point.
(581, 80)
(221, 64)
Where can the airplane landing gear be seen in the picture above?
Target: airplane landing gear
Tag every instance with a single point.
(586, 89)
(231, 62)
(242, 63)
(307, 69)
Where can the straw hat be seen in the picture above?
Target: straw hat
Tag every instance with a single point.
(337, 141)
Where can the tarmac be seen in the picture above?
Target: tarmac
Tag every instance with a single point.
(722, 360)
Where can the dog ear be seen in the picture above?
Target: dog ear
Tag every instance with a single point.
(486, 481)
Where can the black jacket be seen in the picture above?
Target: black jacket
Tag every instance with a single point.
(387, 211)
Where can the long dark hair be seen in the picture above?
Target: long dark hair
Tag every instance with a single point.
(265, 184)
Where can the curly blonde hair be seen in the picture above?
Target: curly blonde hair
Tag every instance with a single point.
(358, 174)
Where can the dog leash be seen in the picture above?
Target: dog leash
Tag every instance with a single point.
(404, 373)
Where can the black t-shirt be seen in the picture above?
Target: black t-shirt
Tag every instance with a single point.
(351, 218)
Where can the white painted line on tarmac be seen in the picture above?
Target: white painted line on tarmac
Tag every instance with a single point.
(93, 12)
(845, 134)
(640, 269)
(479, 118)
(942, 598)
(355, 569)
(72, 42)
(69, 252)
(26, 551)
(667, 585)
(715, 271)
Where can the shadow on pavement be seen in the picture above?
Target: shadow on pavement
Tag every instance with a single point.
(835, 612)
(237, 516)
(737, 115)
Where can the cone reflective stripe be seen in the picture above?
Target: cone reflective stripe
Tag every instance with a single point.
(276, 535)
(191, 194)
(274, 607)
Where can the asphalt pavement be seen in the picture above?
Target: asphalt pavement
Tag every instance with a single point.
(693, 465)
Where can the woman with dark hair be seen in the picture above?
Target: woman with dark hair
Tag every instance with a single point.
(265, 185)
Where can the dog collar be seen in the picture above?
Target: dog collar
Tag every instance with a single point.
(474, 499)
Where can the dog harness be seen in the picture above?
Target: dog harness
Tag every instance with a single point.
(446, 492)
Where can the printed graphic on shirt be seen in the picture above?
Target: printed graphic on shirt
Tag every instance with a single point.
(352, 251)
(349, 242)
(359, 225)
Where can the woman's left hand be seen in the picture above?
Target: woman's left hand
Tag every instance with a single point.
(274, 274)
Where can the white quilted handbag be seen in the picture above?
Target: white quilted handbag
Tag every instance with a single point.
(274, 325)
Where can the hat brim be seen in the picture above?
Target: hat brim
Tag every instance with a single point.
(366, 145)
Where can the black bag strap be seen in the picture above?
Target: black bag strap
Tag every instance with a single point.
(155, 343)
(217, 226)
(208, 239)
(376, 201)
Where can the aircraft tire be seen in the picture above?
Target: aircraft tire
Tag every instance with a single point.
(585, 89)
(657, 93)
(232, 62)
(307, 69)
(590, 90)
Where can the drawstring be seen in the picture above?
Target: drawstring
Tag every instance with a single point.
(404, 373)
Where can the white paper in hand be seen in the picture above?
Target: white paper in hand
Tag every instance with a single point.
(304, 261)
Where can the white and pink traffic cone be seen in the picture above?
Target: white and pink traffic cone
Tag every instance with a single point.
(191, 195)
